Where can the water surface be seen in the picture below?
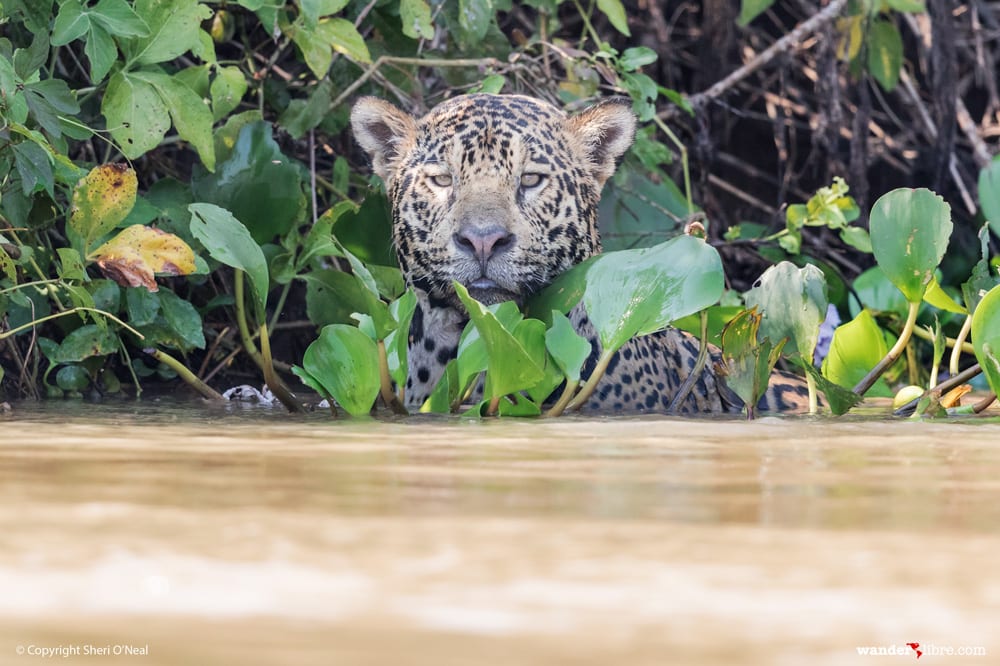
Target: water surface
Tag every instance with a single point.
(218, 536)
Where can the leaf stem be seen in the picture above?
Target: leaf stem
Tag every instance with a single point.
(494, 406)
(35, 322)
(967, 347)
(564, 398)
(943, 387)
(241, 321)
(699, 365)
(894, 353)
(956, 351)
(385, 380)
(184, 373)
(274, 382)
(595, 377)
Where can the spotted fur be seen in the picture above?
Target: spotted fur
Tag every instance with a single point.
(501, 192)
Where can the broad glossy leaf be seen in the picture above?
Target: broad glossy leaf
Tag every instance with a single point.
(885, 53)
(184, 319)
(986, 337)
(86, 341)
(510, 368)
(344, 38)
(73, 378)
(792, 302)
(989, 194)
(567, 347)
(137, 253)
(615, 12)
(531, 334)
(910, 231)
(396, 343)
(101, 200)
(229, 242)
(983, 278)
(445, 392)
(473, 356)
(136, 115)
(191, 116)
(257, 182)
(635, 292)
(839, 399)
(940, 299)
(71, 23)
(118, 18)
(101, 51)
(142, 306)
(173, 29)
(415, 15)
(345, 361)
(856, 348)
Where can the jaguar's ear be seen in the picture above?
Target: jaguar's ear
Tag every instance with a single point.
(384, 131)
(606, 131)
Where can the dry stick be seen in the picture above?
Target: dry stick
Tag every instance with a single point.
(786, 43)
(415, 62)
(943, 387)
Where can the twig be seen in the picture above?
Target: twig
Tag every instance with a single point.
(786, 43)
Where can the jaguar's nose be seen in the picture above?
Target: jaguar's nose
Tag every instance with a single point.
(483, 243)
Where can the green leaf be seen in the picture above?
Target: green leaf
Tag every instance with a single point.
(568, 348)
(34, 165)
(101, 52)
(344, 38)
(615, 12)
(71, 23)
(856, 348)
(885, 54)
(137, 117)
(184, 319)
(142, 305)
(751, 9)
(913, 6)
(636, 292)
(229, 242)
(857, 237)
(101, 200)
(792, 302)
(982, 279)
(173, 29)
(415, 16)
(70, 264)
(510, 368)
(909, 232)
(397, 342)
(258, 183)
(636, 57)
(313, 9)
(445, 392)
(345, 362)
(877, 294)
(118, 19)
(986, 337)
(989, 194)
(837, 397)
(227, 90)
(940, 299)
(748, 360)
(474, 17)
(86, 341)
(303, 115)
(73, 378)
(190, 114)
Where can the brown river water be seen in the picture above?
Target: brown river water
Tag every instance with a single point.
(184, 534)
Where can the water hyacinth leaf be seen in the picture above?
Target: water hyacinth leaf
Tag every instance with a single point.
(101, 200)
(940, 299)
(531, 334)
(137, 253)
(509, 366)
(909, 233)
(522, 407)
(472, 354)
(257, 182)
(857, 347)
(839, 399)
(396, 343)
(86, 341)
(989, 194)
(230, 243)
(73, 378)
(748, 361)
(445, 393)
(792, 302)
(561, 295)
(982, 279)
(986, 337)
(345, 362)
(567, 347)
(636, 292)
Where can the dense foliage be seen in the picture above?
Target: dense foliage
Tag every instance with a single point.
(177, 186)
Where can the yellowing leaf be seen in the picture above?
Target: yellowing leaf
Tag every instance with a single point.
(102, 199)
(133, 256)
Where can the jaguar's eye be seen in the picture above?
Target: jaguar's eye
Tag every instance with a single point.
(441, 180)
(530, 180)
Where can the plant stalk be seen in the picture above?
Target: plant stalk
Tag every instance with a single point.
(595, 377)
(699, 365)
(943, 387)
(894, 353)
(184, 373)
(388, 395)
(241, 321)
(564, 398)
(35, 322)
(274, 382)
(956, 351)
